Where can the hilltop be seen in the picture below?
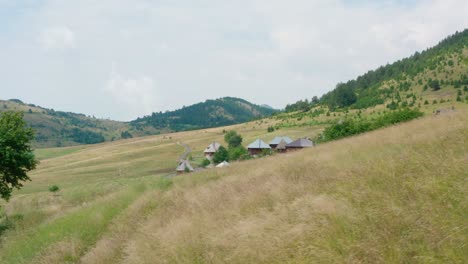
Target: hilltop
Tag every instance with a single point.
(57, 128)
(211, 113)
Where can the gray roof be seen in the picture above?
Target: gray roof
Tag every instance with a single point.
(281, 145)
(212, 148)
(258, 144)
(184, 164)
(300, 143)
(277, 140)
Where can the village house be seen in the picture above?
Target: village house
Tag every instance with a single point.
(274, 143)
(299, 144)
(281, 147)
(211, 150)
(184, 166)
(257, 147)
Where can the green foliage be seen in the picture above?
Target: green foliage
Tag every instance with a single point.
(392, 106)
(233, 139)
(211, 113)
(221, 155)
(205, 163)
(16, 155)
(125, 135)
(270, 129)
(54, 188)
(356, 126)
(434, 84)
(86, 136)
(356, 91)
(236, 153)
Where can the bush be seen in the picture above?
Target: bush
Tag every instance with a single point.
(352, 127)
(205, 163)
(237, 153)
(270, 129)
(54, 188)
(221, 155)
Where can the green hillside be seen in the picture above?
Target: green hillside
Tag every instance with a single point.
(211, 113)
(439, 73)
(59, 129)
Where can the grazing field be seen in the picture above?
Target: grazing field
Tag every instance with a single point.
(394, 195)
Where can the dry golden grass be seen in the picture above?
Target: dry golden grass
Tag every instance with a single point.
(390, 196)
(393, 195)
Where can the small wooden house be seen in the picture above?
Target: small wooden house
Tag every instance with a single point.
(281, 147)
(257, 147)
(274, 143)
(299, 144)
(211, 150)
(183, 167)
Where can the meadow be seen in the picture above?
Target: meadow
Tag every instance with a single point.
(393, 195)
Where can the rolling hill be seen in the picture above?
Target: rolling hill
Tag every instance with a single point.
(57, 128)
(211, 113)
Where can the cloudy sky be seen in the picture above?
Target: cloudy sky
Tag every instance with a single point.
(122, 59)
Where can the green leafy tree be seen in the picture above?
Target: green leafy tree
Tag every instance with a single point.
(221, 155)
(16, 155)
(125, 135)
(233, 139)
(237, 152)
(205, 163)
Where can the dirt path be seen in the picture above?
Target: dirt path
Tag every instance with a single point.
(187, 151)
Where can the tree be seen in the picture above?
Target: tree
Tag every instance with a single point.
(435, 85)
(221, 155)
(205, 163)
(16, 155)
(237, 152)
(125, 135)
(233, 139)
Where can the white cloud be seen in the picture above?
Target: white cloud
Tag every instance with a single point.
(137, 95)
(60, 38)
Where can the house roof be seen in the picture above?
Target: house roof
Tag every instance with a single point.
(212, 148)
(277, 140)
(223, 164)
(300, 143)
(281, 145)
(184, 164)
(258, 144)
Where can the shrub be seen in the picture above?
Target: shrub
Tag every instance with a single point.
(237, 153)
(352, 127)
(270, 129)
(221, 155)
(205, 163)
(54, 188)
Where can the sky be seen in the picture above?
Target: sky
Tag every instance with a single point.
(122, 59)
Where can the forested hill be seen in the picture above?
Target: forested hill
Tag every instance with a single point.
(442, 66)
(211, 113)
(58, 129)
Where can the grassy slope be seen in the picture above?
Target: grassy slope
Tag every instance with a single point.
(91, 178)
(393, 195)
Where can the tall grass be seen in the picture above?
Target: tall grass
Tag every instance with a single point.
(397, 195)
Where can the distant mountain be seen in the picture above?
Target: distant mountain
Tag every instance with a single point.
(211, 113)
(431, 74)
(57, 128)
